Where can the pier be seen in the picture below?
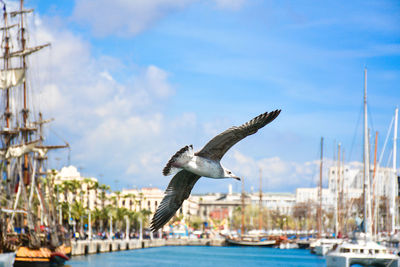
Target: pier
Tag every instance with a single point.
(86, 247)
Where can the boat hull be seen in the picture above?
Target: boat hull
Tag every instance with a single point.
(323, 249)
(7, 259)
(343, 261)
(266, 243)
(41, 257)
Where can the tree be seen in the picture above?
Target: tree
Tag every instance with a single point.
(104, 189)
(132, 200)
(97, 218)
(120, 214)
(103, 197)
(300, 213)
(78, 213)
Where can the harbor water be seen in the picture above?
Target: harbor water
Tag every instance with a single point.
(196, 256)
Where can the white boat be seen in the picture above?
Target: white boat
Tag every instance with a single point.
(288, 245)
(365, 253)
(7, 259)
(324, 245)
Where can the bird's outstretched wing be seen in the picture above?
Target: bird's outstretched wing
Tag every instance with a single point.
(178, 190)
(216, 148)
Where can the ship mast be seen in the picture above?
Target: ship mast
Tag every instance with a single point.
(319, 211)
(242, 198)
(260, 219)
(373, 208)
(394, 180)
(25, 110)
(6, 62)
(367, 193)
(338, 195)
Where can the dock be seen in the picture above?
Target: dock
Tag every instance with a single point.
(86, 247)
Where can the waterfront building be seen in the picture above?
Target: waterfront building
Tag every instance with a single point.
(310, 195)
(346, 184)
(149, 198)
(280, 202)
(221, 206)
(217, 205)
(75, 187)
(350, 180)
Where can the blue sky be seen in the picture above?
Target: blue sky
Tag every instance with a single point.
(131, 82)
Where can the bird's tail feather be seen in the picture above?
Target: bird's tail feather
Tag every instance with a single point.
(179, 159)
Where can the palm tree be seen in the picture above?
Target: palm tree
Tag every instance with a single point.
(104, 188)
(120, 214)
(130, 197)
(97, 218)
(104, 216)
(95, 186)
(118, 195)
(133, 219)
(88, 183)
(145, 214)
(75, 185)
(65, 208)
(78, 212)
(103, 197)
(142, 198)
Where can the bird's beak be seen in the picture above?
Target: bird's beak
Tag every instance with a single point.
(237, 178)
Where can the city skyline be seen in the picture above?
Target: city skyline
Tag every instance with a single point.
(130, 83)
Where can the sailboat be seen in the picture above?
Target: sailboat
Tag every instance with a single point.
(363, 250)
(26, 190)
(247, 239)
(321, 246)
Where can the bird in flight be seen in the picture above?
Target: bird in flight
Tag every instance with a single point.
(190, 166)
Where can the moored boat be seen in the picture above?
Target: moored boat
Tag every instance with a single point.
(7, 259)
(250, 241)
(40, 257)
(361, 252)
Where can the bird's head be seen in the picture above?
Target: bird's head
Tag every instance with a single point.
(230, 174)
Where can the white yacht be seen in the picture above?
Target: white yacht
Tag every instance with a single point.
(324, 245)
(365, 253)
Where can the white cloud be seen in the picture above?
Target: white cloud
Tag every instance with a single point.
(112, 126)
(123, 17)
(278, 174)
(154, 81)
(129, 18)
(107, 75)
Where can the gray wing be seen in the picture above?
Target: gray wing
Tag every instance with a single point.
(216, 148)
(177, 191)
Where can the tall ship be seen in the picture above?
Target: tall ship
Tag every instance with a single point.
(29, 225)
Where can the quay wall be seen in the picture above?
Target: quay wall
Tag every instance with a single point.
(86, 247)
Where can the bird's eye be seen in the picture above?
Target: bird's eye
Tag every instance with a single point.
(229, 172)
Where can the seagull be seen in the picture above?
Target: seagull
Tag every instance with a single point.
(190, 166)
